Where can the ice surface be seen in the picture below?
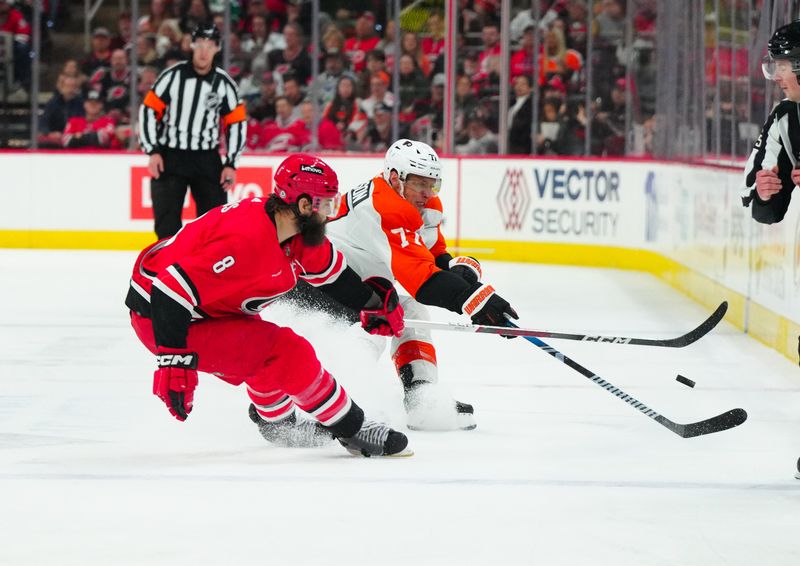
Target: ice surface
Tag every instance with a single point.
(93, 470)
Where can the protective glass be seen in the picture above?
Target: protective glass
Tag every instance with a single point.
(778, 68)
(326, 206)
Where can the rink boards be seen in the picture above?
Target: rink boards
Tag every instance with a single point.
(683, 223)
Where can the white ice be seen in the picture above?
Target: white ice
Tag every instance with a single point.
(94, 471)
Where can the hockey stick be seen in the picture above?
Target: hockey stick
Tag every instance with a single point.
(726, 420)
(681, 341)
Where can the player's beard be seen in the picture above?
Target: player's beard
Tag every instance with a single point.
(312, 229)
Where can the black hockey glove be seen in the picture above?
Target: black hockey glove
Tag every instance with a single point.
(466, 267)
(486, 307)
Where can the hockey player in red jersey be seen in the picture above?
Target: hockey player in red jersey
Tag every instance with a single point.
(389, 227)
(195, 300)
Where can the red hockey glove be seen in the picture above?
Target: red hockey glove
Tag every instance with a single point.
(466, 267)
(387, 318)
(486, 307)
(175, 380)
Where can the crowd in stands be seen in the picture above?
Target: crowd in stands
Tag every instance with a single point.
(271, 60)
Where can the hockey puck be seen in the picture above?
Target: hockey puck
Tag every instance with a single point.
(685, 380)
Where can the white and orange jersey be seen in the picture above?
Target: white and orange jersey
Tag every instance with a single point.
(382, 234)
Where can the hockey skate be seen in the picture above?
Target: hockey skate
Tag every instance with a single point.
(430, 409)
(376, 439)
(292, 432)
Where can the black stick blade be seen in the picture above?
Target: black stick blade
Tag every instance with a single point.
(729, 419)
(701, 330)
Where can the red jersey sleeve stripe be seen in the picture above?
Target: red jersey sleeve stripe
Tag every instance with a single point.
(175, 296)
(183, 280)
(331, 274)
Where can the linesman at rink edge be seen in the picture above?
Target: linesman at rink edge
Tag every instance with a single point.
(773, 169)
(195, 300)
(390, 227)
(179, 129)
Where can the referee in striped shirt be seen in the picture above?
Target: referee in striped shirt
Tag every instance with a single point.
(179, 124)
(773, 169)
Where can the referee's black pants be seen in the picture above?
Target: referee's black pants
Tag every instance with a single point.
(200, 171)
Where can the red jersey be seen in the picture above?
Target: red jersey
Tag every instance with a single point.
(356, 50)
(229, 262)
(17, 25)
(103, 126)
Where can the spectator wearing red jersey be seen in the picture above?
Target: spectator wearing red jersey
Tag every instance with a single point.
(94, 130)
(521, 62)
(364, 41)
(278, 134)
(13, 22)
(490, 35)
(433, 45)
(328, 137)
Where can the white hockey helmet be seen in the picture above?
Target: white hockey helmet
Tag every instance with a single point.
(409, 157)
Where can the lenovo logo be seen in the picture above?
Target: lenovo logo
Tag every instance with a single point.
(311, 169)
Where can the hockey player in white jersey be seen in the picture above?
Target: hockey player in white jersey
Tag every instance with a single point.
(390, 227)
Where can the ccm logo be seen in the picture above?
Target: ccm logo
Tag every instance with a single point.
(611, 339)
(177, 360)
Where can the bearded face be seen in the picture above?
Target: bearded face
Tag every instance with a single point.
(312, 229)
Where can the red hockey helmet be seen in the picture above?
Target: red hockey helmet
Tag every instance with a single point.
(304, 174)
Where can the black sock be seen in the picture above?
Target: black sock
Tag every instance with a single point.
(349, 424)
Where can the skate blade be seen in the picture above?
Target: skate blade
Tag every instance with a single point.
(426, 429)
(405, 453)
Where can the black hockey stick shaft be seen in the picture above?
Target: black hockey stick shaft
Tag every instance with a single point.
(726, 420)
(681, 341)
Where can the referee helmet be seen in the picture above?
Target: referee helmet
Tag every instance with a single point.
(206, 31)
